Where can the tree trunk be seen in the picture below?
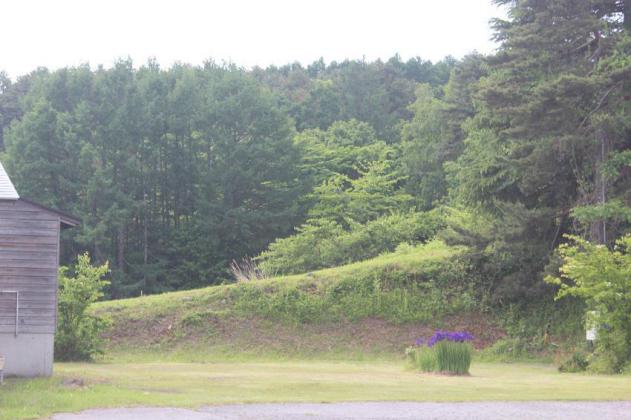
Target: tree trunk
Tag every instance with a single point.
(121, 249)
(627, 15)
(145, 244)
(598, 229)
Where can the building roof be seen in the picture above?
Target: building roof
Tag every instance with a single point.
(66, 219)
(7, 190)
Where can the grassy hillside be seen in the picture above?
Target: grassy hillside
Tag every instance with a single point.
(369, 308)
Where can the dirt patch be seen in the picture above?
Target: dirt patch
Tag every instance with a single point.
(368, 336)
(74, 383)
(141, 331)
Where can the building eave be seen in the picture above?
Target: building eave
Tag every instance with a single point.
(66, 219)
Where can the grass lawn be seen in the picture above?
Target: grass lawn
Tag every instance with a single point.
(78, 386)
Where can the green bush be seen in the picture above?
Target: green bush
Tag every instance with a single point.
(604, 363)
(518, 349)
(506, 350)
(535, 330)
(325, 243)
(78, 332)
(577, 362)
(531, 322)
(451, 357)
(602, 278)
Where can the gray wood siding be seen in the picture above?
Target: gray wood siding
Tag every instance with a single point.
(29, 256)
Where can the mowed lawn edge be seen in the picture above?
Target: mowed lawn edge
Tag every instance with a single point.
(79, 386)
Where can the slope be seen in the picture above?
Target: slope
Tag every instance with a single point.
(365, 309)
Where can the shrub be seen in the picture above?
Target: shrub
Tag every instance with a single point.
(79, 333)
(325, 243)
(602, 278)
(604, 362)
(535, 322)
(506, 350)
(302, 251)
(577, 362)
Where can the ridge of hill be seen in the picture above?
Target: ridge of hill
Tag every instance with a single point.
(365, 309)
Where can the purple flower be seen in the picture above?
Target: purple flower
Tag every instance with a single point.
(454, 336)
(419, 342)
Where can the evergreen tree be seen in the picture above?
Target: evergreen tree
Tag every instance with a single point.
(545, 122)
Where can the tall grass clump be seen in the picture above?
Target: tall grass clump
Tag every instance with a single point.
(422, 358)
(454, 358)
(445, 352)
(247, 270)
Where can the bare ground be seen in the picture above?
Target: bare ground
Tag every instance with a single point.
(367, 335)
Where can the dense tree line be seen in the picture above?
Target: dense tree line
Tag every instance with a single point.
(551, 114)
(176, 172)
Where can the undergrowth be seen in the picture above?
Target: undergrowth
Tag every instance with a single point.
(390, 291)
(377, 306)
(414, 283)
(537, 332)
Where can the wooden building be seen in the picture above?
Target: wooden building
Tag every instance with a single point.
(29, 263)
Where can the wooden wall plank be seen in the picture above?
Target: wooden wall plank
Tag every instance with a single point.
(28, 231)
(28, 272)
(28, 241)
(6, 222)
(29, 258)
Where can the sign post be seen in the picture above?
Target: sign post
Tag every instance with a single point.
(591, 327)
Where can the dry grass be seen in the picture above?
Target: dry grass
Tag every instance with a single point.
(246, 270)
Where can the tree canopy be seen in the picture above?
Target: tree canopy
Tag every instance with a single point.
(176, 172)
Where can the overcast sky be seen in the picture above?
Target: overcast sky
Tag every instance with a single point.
(59, 33)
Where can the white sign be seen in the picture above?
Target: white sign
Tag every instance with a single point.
(591, 327)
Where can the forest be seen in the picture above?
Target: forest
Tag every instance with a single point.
(178, 173)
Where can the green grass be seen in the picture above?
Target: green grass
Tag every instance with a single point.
(421, 261)
(78, 386)
(331, 335)
(331, 311)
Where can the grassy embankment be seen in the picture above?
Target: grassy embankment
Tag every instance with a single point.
(371, 309)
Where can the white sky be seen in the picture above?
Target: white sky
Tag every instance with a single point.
(59, 33)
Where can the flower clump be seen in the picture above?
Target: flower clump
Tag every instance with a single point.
(440, 335)
(446, 352)
(455, 337)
